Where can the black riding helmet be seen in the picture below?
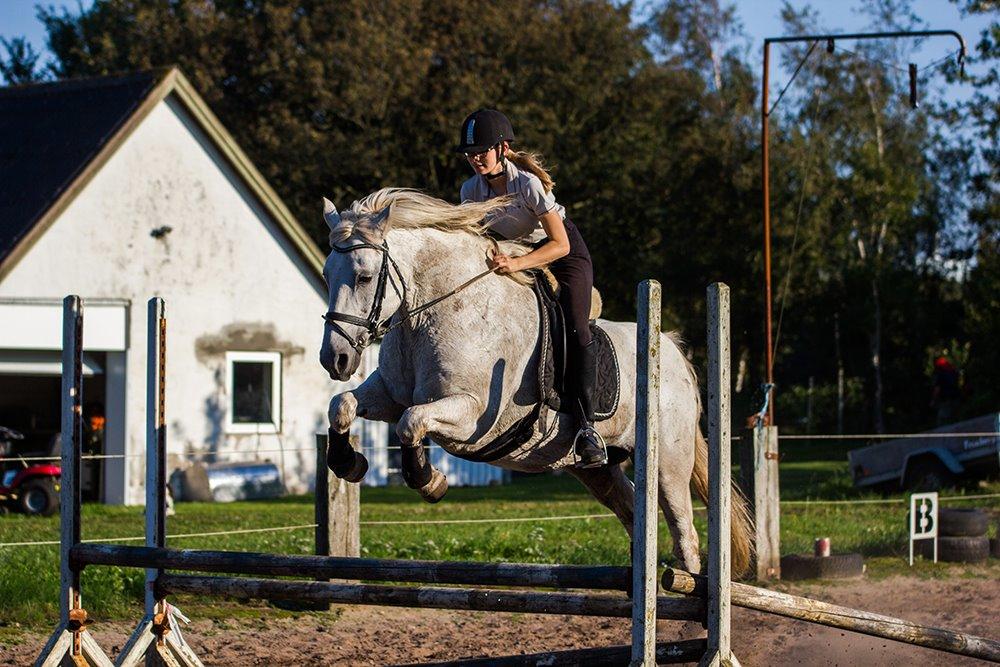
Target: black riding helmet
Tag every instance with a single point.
(484, 129)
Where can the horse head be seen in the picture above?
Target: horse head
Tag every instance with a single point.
(364, 287)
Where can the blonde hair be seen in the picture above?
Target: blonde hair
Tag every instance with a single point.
(534, 163)
(402, 208)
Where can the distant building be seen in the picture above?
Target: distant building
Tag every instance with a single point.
(125, 187)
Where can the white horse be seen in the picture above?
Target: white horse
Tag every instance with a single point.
(464, 370)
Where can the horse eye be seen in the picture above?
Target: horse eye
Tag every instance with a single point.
(364, 280)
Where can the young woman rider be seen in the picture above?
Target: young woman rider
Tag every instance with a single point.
(534, 216)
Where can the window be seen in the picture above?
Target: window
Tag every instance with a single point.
(253, 385)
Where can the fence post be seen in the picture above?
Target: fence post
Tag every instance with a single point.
(647, 427)
(719, 485)
(338, 509)
(759, 472)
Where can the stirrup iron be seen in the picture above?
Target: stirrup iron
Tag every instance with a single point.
(589, 433)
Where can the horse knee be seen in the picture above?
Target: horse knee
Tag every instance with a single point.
(412, 427)
(342, 410)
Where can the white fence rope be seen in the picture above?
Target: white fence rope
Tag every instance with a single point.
(525, 519)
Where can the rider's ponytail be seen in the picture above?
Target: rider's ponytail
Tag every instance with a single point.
(533, 163)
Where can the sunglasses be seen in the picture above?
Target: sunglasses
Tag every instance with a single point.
(481, 155)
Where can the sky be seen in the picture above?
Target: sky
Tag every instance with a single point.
(760, 19)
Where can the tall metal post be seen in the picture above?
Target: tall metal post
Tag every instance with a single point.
(766, 167)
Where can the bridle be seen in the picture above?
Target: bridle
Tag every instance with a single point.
(374, 326)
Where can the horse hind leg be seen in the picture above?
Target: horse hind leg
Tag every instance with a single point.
(674, 492)
(612, 488)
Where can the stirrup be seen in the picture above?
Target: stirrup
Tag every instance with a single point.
(590, 434)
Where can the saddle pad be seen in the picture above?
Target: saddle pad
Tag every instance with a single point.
(607, 386)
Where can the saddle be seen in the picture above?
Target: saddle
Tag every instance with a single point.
(552, 375)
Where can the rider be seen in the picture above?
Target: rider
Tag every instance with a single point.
(534, 216)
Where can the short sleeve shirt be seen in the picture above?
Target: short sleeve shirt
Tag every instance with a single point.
(519, 220)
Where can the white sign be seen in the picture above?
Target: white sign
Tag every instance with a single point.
(923, 520)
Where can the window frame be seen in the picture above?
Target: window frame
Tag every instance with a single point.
(238, 356)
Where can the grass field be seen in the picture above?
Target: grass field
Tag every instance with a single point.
(29, 575)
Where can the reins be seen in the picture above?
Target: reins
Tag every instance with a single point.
(375, 327)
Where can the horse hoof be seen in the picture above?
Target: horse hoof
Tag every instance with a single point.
(434, 490)
(352, 470)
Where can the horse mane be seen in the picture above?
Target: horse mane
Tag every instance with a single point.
(404, 208)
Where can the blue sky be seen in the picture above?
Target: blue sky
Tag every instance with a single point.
(760, 19)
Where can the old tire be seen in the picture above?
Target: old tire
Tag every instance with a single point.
(39, 497)
(995, 547)
(834, 566)
(962, 522)
(957, 549)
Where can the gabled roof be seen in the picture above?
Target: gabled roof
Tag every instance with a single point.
(54, 137)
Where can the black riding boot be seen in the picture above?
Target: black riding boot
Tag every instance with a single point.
(591, 450)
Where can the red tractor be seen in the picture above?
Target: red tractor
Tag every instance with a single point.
(27, 484)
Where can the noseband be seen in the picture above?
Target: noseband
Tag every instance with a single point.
(374, 327)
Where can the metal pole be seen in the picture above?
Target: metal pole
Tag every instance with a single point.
(765, 170)
(647, 425)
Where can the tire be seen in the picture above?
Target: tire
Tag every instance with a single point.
(928, 475)
(38, 496)
(834, 566)
(995, 547)
(962, 522)
(957, 549)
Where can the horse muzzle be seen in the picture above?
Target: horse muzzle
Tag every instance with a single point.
(339, 363)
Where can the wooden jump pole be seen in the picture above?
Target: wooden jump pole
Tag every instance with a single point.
(591, 577)
(719, 487)
(71, 641)
(667, 653)
(835, 616)
(427, 597)
(647, 432)
(153, 635)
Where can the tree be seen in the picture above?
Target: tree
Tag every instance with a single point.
(19, 65)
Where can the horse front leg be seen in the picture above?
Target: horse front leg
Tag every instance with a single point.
(369, 400)
(452, 418)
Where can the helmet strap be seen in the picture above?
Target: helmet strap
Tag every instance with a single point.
(503, 165)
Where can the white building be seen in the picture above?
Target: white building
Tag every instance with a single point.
(122, 188)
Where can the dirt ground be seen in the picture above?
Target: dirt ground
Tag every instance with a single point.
(356, 635)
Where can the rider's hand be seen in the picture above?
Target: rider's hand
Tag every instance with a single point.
(505, 263)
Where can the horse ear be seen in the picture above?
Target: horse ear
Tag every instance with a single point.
(330, 214)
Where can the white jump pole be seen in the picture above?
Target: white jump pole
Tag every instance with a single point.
(719, 486)
(647, 427)
(71, 642)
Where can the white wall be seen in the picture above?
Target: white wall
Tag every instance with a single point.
(229, 278)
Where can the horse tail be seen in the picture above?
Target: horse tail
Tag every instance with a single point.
(741, 525)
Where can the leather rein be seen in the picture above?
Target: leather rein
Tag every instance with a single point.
(374, 326)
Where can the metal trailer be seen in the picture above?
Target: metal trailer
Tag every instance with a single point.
(927, 461)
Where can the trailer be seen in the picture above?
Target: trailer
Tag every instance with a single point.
(928, 461)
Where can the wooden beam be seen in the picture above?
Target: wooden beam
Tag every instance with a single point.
(647, 431)
(472, 599)
(667, 653)
(835, 616)
(592, 577)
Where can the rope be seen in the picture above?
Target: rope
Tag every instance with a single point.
(526, 519)
(794, 74)
(889, 436)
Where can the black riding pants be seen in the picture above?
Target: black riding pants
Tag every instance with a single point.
(575, 273)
